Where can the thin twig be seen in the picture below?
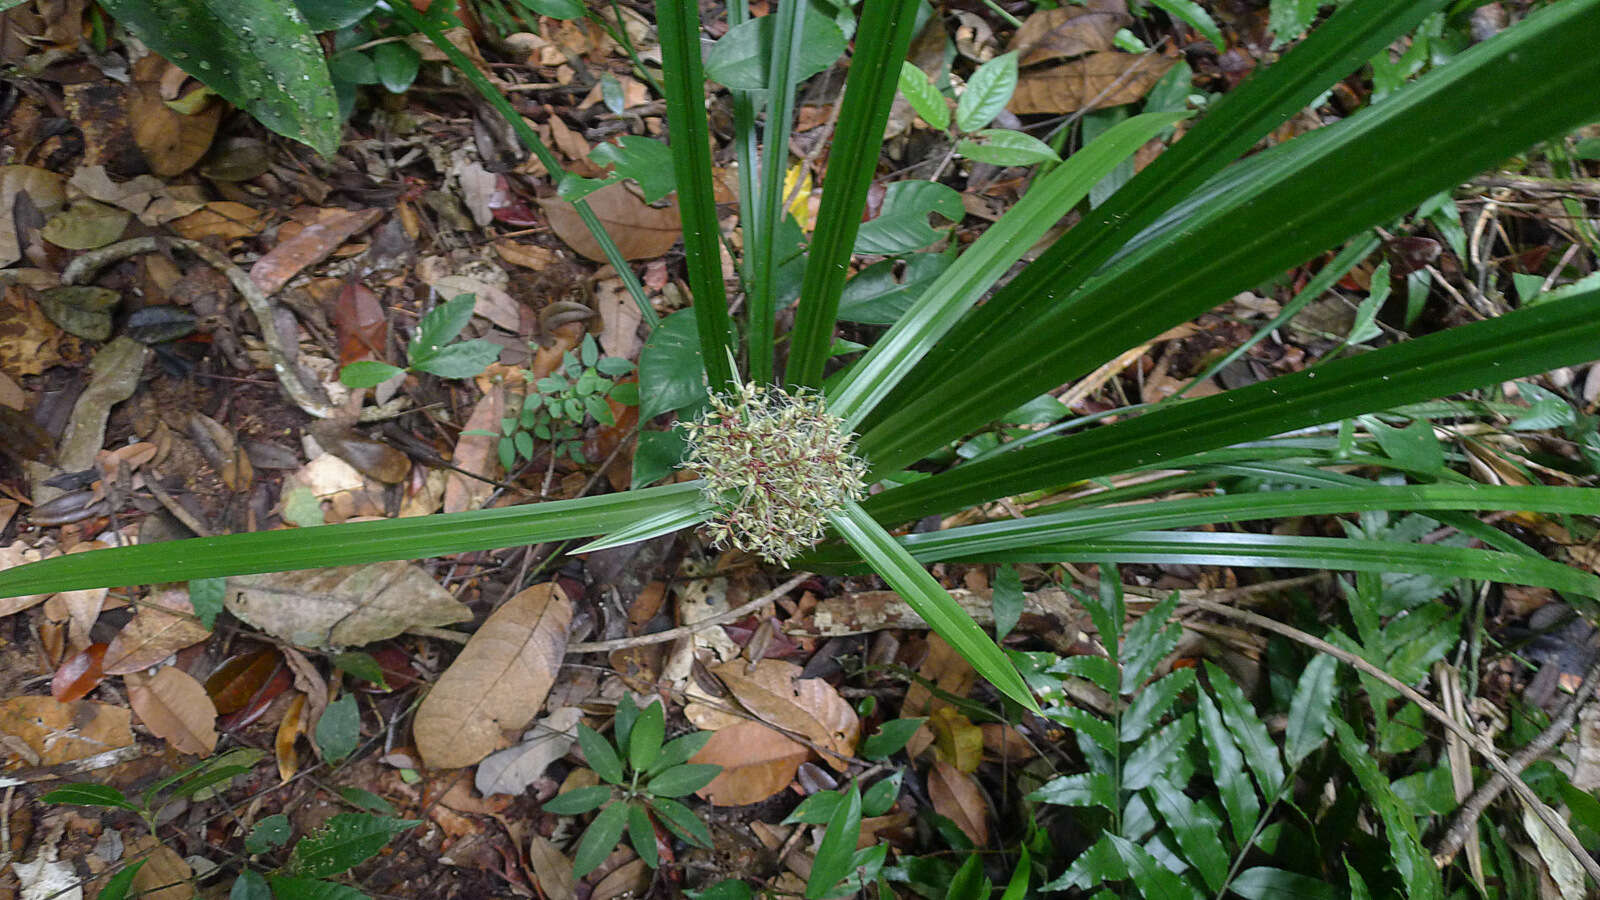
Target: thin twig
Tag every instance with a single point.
(152, 483)
(672, 634)
(1472, 739)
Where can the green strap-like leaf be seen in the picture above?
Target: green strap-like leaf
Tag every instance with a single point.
(260, 56)
(931, 601)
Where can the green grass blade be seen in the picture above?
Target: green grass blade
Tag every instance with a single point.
(1560, 333)
(1346, 554)
(931, 601)
(1530, 82)
(884, 37)
(496, 99)
(961, 285)
(678, 22)
(782, 80)
(342, 545)
(690, 511)
(745, 146)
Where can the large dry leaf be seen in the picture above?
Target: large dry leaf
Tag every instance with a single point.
(348, 606)
(775, 692)
(176, 708)
(1096, 81)
(955, 796)
(164, 624)
(171, 141)
(45, 732)
(499, 681)
(1066, 31)
(511, 771)
(475, 453)
(552, 868)
(164, 876)
(947, 670)
(18, 553)
(756, 762)
(641, 231)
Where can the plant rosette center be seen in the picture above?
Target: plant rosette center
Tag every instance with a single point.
(774, 465)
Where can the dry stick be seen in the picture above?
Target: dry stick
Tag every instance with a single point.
(152, 483)
(82, 268)
(1472, 739)
(1466, 817)
(672, 634)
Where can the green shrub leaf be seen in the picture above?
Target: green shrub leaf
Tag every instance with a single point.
(1308, 711)
(347, 840)
(578, 801)
(925, 99)
(600, 839)
(987, 92)
(1003, 147)
(739, 58)
(90, 795)
(598, 751)
(834, 855)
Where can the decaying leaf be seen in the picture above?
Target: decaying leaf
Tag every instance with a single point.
(630, 879)
(1096, 81)
(289, 731)
(309, 246)
(511, 771)
(1066, 31)
(85, 225)
(43, 188)
(29, 341)
(775, 692)
(955, 796)
(641, 231)
(225, 219)
(46, 732)
(950, 672)
(171, 141)
(346, 606)
(552, 868)
(163, 625)
(756, 762)
(475, 453)
(164, 876)
(499, 681)
(175, 707)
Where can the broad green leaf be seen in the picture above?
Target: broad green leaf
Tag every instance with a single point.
(285, 887)
(443, 324)
(331, 15)
(1149, 641)
(889, 739)
(879, 799)
(466, 359)
(1196, 829)
(1288, 19)
(739, 58)
(1154, 703)
(1021, 877)
(347, 840)
(205, 595)
(1109, 614)
(1007, 600)
(1308, 711)
(1413, 446)
(367, 373)
(1191, 12)
(1004, 147)
(837, 850)
(362, 666)
(645, 160)
(1086, 724)
(339, 730)
(681, 780)
(599, 754)
(1238, 794)
(671, 369)
(269, 833)
(987, 92)
(816, 809)
(1152, 879)
(250, 885)
(681, 821)
(367, 800)
(600, 838)
(644, 738)
(397, 66)
(90, 795)
(727, 889)
(259, 56)
(882, 292)
(970, 882)
(925, 99)
(902, 224)
(1085, 789)
(577, 801)
(642, 834)
(1157, 754)
(1266, 883)
(931, 601)
(1259, 750)
(678, 750)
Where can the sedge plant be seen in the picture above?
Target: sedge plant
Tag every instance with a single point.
(1199, 224)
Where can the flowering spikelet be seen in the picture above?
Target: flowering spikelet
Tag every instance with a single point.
(774, 465)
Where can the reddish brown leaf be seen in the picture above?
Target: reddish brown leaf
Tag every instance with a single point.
(174, 706)
(1095, 81)
(955, 796)
(311, 245)
(641, 231)
(241, 679)
(359, 321)
(756, 762)
(79, 674)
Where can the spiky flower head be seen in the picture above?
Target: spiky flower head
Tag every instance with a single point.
(774, 465)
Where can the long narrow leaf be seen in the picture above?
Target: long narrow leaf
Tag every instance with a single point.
(961, 285)
(678, 22)
(1524, 342)
(931, 601)
(1528, 83)
(342, 545)
(691, 511)
(884, 36)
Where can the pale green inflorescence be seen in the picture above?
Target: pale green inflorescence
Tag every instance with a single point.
(774, 465)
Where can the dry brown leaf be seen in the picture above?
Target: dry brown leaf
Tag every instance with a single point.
(552, 869)
(1065, 31)
(85, 225)
(164, 876)
(289, 730)
(163, 625)
(171, 141)
(641, 231)
(775, 692)
(45, 732)
(756, 762)
(44, 188)
(956, 739)
(499, 681)
(955, 795)
(529, 256)
(309, 246)
(950, 672)
(475, 453)
(1006, 742)
(17, 554)
(347, 606)
(1096, 81)
(621, 317)
(223, 219)
(11, 396)
(627, 880)
(176, 708)
(29, 341)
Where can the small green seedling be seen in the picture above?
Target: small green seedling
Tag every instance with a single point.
(560, 403)
(643, 776)
(430, 349)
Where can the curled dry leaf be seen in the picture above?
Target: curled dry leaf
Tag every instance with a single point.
(631, 879)
(175, 707)
(641, 231)
(79, 674)
(347, 606)
(164, 876)
(756, 762)
(775, 692)
(511, 771)
(499, 681)
(289, 731)
(955, 796)
(1096, 81)
(43, 731)
(164, 624)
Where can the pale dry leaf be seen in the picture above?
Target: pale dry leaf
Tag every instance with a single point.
(775, 692)
(163, 625)
(52, 732)
(499, 681)
(627, 880)
(475, 453)
(955, 795)
(164, 876)
(510, 771)
(11, 394)
(621, 317)
(490, 298)
(528, 256)
(552, 869)
(309, 682)
(224, 219)
(170, 141)
(1096, 81)
(17, 554)
(48, 876)
(1560, 865)
(757, 762)
(175, 708)
(1065, 31)
(43, 187)
(475, 183)
(347, 606)
(641, 231)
